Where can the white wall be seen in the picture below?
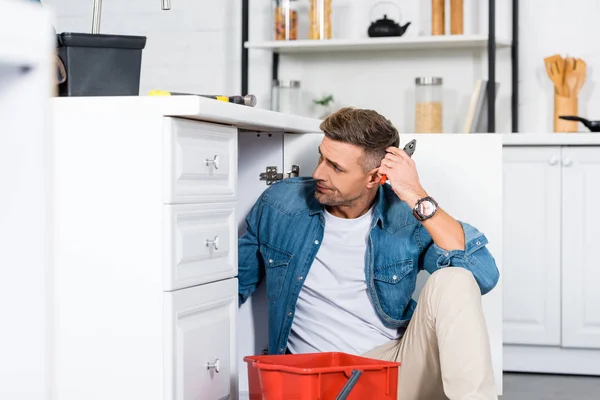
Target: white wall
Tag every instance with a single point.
(194, 47)
(547, 30)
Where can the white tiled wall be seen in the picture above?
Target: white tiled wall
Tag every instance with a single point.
(194, 47)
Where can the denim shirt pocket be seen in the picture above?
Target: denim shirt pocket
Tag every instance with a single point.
(276, 267)
(393, 290)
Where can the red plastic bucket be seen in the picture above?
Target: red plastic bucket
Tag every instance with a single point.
(321, 376)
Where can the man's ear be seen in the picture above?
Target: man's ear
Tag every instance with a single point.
(373, 178)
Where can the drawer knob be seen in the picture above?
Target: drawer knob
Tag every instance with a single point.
(215, 365)
(214, 162)
(214, 243)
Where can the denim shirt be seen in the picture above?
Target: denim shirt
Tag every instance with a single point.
(285, 229)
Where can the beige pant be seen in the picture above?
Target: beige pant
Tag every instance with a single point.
(445, 351)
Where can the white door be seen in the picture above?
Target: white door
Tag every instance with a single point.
(200, 341)
(453, 169)
(257, 152)
(532, 242)
(581, 238)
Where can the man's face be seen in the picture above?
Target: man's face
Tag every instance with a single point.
(340, 177)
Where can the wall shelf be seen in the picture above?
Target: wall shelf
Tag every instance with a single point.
(374, 44)
(488, 44)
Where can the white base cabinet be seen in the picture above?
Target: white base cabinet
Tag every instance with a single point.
(146, 208)
(552, 273)
(145, 294)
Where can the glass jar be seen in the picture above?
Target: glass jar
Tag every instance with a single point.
(428, 107)
(285, 19)
(286, 97)
(320, 19)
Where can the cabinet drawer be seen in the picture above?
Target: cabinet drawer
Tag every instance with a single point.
(200, 328)
(200, 163)
(200, 244)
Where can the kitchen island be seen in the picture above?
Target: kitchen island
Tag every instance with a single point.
(148, 197)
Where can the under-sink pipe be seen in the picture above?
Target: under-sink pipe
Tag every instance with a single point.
(97, 13)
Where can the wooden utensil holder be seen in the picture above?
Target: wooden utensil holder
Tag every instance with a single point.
(564, 106)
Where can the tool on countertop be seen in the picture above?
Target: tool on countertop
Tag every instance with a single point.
(593, 126)
(247, 100)
(408, 149)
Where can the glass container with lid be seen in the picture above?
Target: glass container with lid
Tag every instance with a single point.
(319, 19)
(286, 97)
(285, 19)
(428, 107)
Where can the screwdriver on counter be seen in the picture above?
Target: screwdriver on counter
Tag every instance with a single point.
(247, 100)
(408, 149)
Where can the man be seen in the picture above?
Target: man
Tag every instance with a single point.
(341, 253)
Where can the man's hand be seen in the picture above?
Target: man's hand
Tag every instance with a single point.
(401, 171)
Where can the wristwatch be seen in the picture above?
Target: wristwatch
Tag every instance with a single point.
(425, 208)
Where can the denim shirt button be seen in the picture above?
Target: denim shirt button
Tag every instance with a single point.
(290, 314)
(316, 242)
(447, 254)
(300, 278)
(478, 243)
(395, 277)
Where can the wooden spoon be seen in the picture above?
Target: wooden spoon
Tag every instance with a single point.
(580, 72)
(555, 69)
(570, 77)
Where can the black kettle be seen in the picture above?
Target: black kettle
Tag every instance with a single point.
(385, 27)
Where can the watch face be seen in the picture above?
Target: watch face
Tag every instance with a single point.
(426, 208)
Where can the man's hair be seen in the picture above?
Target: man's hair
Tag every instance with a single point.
(365, 128)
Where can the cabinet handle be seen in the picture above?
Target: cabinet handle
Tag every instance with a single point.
(214, 162)
(215, 365)
(567, 162)
(553, 160)
(214, 243)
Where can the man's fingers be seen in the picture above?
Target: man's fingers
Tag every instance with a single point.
(393, 157)
(386, 164)
(398, 152)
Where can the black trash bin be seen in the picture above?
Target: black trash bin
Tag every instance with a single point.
(100, 65)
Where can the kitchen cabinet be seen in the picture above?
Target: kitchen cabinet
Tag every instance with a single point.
(27, 71)
(148, 198)
(551, 315)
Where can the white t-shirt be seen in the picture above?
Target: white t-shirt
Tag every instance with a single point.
(334, 311)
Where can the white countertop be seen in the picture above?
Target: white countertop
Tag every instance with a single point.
(199, 108)
(551, 139)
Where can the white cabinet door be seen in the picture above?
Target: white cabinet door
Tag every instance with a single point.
(200, 337)
(532, 240)
(453, 169)
(581, 239)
